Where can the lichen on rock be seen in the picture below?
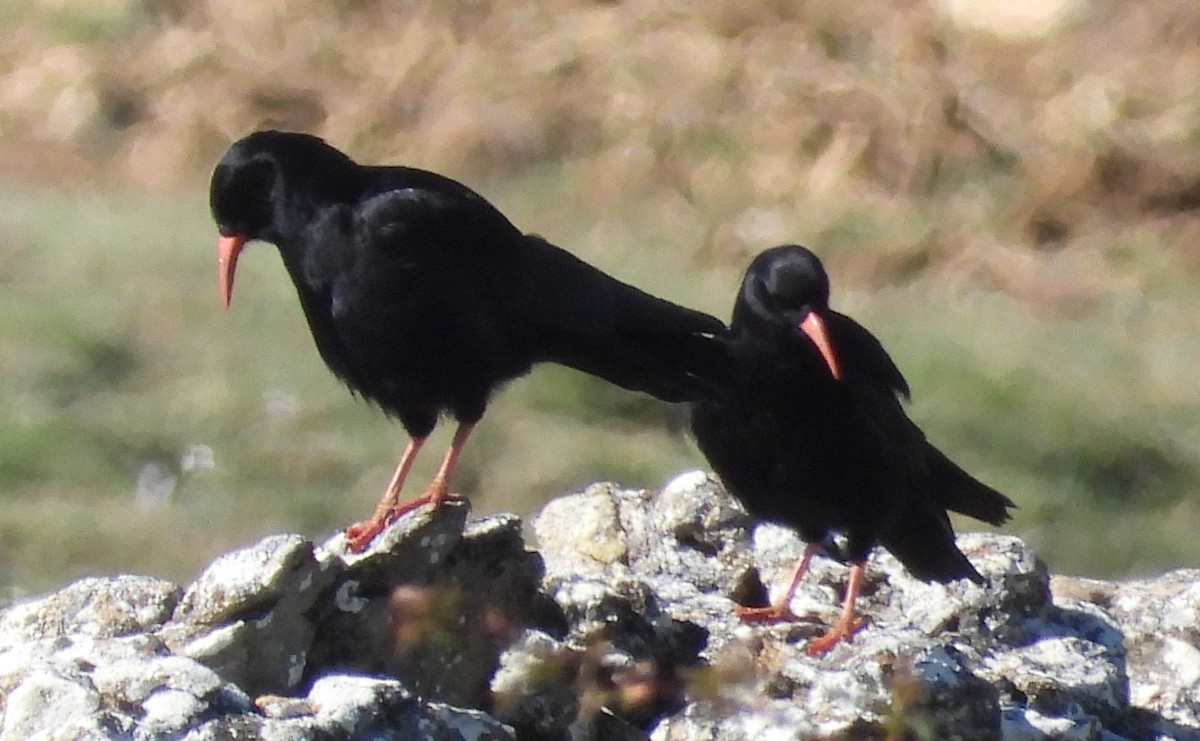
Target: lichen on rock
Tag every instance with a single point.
(619, 626)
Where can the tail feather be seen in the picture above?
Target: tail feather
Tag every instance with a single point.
(924, 542)
(958, 491)
(584, 318)
(672, 368)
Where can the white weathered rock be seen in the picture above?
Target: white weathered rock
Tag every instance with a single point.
(534, 686)
(1159, 625)
(246, 615)
(44, 701)
(621, 628)
(99, 607)
(979, 660)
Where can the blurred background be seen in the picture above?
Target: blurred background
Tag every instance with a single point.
(1007, 194)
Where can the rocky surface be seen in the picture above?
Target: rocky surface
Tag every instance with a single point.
(618, 627)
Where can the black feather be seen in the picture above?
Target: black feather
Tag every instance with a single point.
(424, 298)
(823, 454)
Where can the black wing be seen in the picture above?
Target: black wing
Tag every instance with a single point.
(531, 297)
(877, 382)
(862, 355)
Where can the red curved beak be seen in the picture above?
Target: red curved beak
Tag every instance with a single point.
(814, 326)
(228, 249)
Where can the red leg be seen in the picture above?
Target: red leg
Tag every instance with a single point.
(389, 510)
(780, 609)
(359, 535)
(846, 626)
(439, 491)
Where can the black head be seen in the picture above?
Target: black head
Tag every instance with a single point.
(265, 176)
(268, 186)
(781, 286)
(785, 294)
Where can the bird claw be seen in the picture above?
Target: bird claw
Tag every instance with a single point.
(838, 634)
(434, 495)
(359, 536)
(768, 614)
(779, 613)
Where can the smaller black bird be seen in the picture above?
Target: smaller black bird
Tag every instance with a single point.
(814, 437)
(422, 297)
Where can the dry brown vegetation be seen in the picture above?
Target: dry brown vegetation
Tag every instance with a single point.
(1042, 125)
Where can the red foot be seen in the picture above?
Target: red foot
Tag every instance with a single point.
(768, 614)
(823, 643)
(360, 535)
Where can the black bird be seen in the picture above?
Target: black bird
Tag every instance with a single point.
(423, 298)
(814, 437)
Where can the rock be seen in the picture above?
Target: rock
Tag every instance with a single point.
(621, 627)
(435, 608)
(247, 615)
(534, 686)
(102, 608)
(958, 660)
(46, 700)
(134, 657)
(1159, 625)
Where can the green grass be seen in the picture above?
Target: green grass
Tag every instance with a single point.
(118, 360)
(79, 22)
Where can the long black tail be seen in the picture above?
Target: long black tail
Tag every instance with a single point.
(959, 491)
(673, 367)
(590, 321)
(923, 541)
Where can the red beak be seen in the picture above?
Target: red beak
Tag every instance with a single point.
(228, 249)
(814, 326)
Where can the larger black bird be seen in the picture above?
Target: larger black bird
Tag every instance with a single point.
(814, 436)
(424, 298)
